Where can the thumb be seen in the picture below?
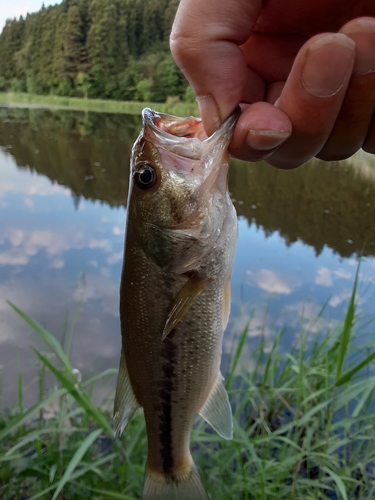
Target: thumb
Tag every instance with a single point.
(205, 43)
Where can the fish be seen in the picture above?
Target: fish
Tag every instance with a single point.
(180, 242)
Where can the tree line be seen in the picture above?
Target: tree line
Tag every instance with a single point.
(112, 49)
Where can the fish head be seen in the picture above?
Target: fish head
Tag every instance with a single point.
(179, 179)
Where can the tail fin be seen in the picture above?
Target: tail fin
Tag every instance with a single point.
(164, 487)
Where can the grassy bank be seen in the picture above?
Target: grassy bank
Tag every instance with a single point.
(172, 106)
(303, 429)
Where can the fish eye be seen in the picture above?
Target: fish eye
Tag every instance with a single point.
(145, 177)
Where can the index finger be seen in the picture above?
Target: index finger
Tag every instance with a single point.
(205, 43)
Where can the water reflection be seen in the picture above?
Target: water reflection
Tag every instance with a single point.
(63, 188)
(320, 204)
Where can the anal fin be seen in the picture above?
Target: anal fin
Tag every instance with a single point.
(126, 403)
(217, 410)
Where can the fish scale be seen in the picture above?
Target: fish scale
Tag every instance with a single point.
(175, 295)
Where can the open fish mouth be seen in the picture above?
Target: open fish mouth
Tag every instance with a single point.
(185, 136)
(188, 127)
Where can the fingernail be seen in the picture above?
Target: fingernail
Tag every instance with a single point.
(209, 111)
(329, 61)
(263, 140)
(362, 32)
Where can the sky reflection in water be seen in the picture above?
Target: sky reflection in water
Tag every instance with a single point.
(59, 248)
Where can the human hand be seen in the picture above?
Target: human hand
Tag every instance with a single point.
(303, 73)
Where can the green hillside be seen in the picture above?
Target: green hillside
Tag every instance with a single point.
(111, 49)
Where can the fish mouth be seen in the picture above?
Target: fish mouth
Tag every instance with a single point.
(186, 136)
(168, 125)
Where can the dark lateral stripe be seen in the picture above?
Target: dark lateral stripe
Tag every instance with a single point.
(166, 389)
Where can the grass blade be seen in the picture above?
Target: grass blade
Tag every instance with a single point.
(345, 335)
(20, 394)
(45, 335)
(76, 459)
(76, 474)
(339, 482)
(237, 354)
(106, 373)
(80, 396)
(111, 494)
(348, 374)
(20, 420)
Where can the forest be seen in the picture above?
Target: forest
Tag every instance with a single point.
(111, 49)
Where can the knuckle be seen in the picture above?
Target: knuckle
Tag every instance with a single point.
(185, 49)
(179, 42)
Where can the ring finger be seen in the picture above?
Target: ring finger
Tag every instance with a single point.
(313, 95)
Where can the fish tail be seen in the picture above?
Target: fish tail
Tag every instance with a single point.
(158, 486)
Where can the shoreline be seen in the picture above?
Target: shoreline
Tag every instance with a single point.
(24, 100)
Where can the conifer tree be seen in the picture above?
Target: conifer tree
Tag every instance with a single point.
(60, 86)
(10, 42)
(74, 49)
(101, 45)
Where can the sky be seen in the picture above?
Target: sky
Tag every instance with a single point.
(17, 8)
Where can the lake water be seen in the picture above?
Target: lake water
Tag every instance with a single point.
(63, 189)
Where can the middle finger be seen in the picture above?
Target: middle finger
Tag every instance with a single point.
(312, 96)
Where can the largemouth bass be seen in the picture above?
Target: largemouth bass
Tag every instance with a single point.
(180, 243)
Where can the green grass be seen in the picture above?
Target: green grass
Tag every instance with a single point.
(303, 429)
(173, 105)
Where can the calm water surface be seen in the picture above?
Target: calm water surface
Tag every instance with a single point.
(63, 188)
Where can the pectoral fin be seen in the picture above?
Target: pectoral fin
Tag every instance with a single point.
(217, 411)
(226, 305)
(125, 401)
(182, 303)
